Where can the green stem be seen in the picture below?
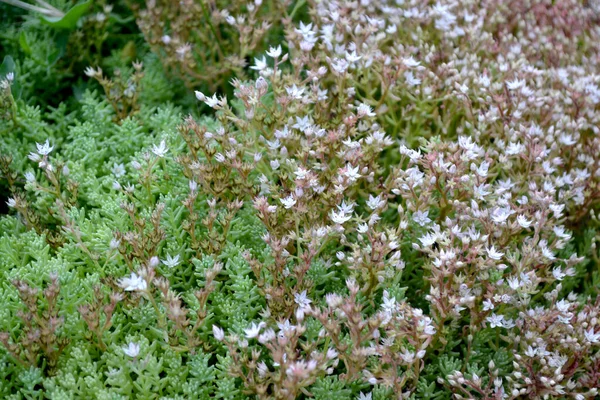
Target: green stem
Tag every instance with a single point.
(297, 7)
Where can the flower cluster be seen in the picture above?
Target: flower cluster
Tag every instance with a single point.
(392, 199)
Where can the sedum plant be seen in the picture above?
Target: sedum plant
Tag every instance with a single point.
(395, 200)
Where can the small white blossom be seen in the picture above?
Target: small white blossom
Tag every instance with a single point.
(132, 350)
(339, 217)
(493, 253)
(515, 84)
(352, 172)
(501, 214)
(29, 177)
(410, 79)
(171, 261)
(118, 170)
(254, 330)
(523, 221)
(294, 91)
(161, 149)
(274, 52)
(302, 300)
(288, 202)
(488, 305)
(496, 321)
(410, 62)
(591, 336)
(134, 283)
(44, 149)
(421, 217)
(363, 396)
(364, 110)
(218, 333)
(375, 202)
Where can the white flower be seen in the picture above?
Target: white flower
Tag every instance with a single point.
(514, 283)
(362, 396)
(161, 149)
(273, 144)
(301, 173)
(89, 71)
(288, 202)
(339, 66)
(364, 110)
(171, 261)
(132, 350)
(591, 336)
(118, 170)
(302, 300)
(331, 353)
(560, 232)
(254, 330)
(352, 172)
(199, 95)
(501, 214)
(211, 101)
(421, 217)
(508, 323)
(266, 336)
(514, 149)
(514, 85)
(133, 283)
(493, 253)
(339, 217)
(428, 239)
(11, 202)
(294, 91)
(114, 243)
(488, 305)
(352, 57)
(557, 209)
(274, 52)
(495, 320)
(183, 50)
(410, 79)
(44, 149)
(218, 333)
(482, 170)
(375, 202)
(481, 191)
(558, 274)
(346, 208)
(259, 65)
(523, 221)
(389, 303)
(29, 177)
(546, 251)
(410, 62)
(567, 139)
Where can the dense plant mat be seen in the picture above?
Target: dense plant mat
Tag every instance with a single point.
(299, 199)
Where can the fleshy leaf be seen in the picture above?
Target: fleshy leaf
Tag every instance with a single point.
(69, 20)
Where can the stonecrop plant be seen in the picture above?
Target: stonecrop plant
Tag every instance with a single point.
(374, 199)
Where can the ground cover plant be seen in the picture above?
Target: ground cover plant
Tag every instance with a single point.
(299, 199)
